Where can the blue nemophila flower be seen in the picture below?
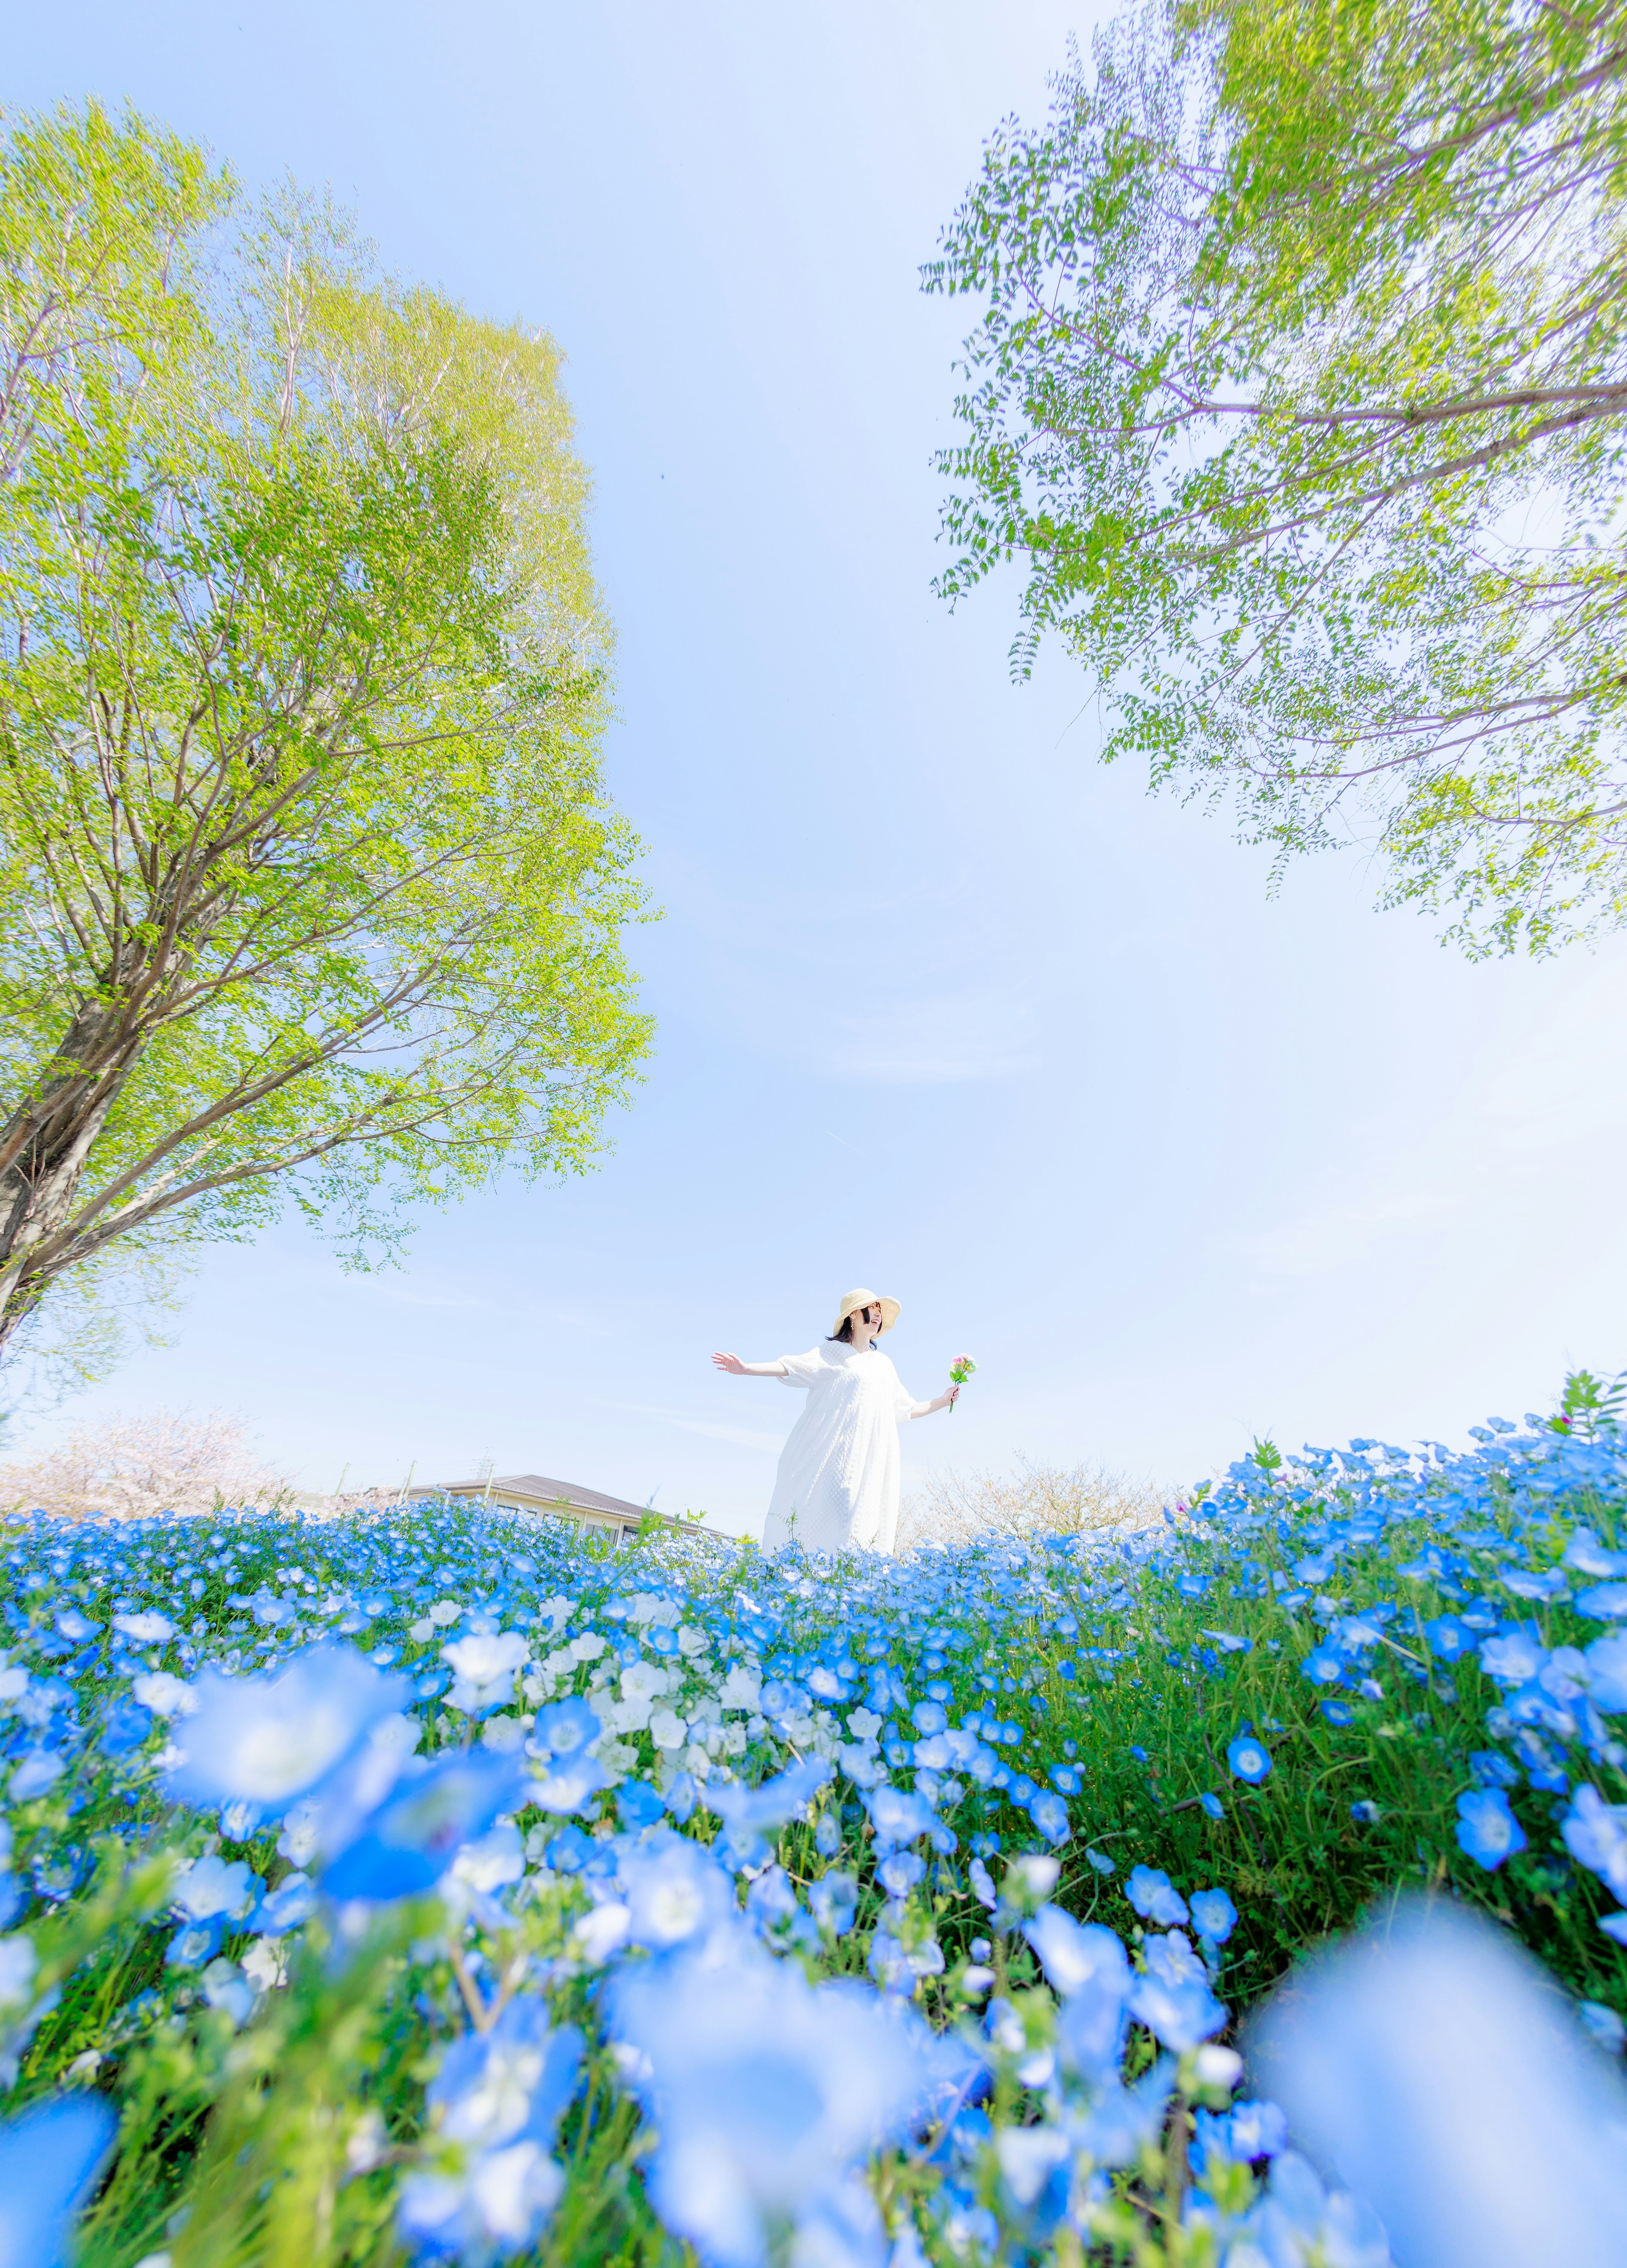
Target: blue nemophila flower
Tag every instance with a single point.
(1449, 1637)
(1607, 1672)
(564, 1728)
(1487, 1829)
(269, 1741)
(287, 1907)
(834, 1902)
(1213, 1915)
(411, 1840)
(1256, 2131)
(748, 1813)
(1298, 2220)
(212, 1885)
(1171, 1997)
(568, 1783)
(1338, 1712)
(900, 1871)
(1248, 1759)
(36, 1771)
(766, 2094)
(1434, 2063)
(1512, 1657)
(1324, 1666)
(1595, 1835)
(194, 1942)
(490, 2184)
(49, 2158)
(1228, 1641)
(1049, 1814)
(125, 1727)
(1602, 2025)
(1604, 1602)
(897, 1817)
(1365, 1812)
(1589, 1556)
(1154, 1896)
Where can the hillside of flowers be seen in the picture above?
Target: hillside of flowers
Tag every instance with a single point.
(438, 1887)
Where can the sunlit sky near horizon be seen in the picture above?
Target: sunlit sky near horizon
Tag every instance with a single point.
(944, 1007)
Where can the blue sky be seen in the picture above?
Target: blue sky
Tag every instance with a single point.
(944, 1007)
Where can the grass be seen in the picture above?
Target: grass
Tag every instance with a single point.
(1124, 1672)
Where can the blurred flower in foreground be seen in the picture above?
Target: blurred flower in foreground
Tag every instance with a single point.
(1436, 2069)
(269, 1740)
(495, 2101)
(412, 1839)
(766, 2094)
(47, 2158)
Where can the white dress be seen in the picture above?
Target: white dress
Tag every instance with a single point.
(837, 1485)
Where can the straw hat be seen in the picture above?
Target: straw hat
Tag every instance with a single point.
(853, 1303)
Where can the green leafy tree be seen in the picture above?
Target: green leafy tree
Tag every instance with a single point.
(1301, 397)
(308, 881)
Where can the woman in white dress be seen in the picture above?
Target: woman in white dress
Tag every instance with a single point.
(837, 1485)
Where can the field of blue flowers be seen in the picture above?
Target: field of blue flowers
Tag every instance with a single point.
(438, 1887)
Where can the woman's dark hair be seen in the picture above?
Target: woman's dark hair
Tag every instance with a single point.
(846, 1331)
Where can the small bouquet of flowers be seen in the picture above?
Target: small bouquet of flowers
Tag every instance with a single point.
(960, 1370)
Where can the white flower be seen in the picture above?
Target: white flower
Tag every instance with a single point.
(299, 1840)
(588, 1647)
(864, 1724)
(511, 2189)
(444, 1612)
(741, 1689)
(642, 1681)
(265, 1964)
(691, 1641)
(667, 1729)
(421, 1630)
(601, 1932)
(145, 1629)
(165, 1695)
(495, 1859)
(485, 1665)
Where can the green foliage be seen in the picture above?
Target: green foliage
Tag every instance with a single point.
(308, 881)
(1299, 396)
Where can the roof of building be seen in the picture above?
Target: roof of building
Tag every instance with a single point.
(540, 1490)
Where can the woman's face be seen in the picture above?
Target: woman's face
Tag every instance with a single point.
(866, 1323)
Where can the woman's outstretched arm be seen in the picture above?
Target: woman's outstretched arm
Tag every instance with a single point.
(736, 1368)
(945, 1401)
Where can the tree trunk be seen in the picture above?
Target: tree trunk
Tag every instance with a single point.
(46, 1142)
